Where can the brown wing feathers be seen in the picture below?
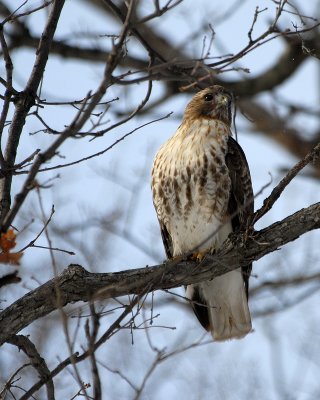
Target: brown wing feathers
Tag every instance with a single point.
(240, 206)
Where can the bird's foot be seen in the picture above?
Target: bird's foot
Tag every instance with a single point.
(177, 259)
(198, 256)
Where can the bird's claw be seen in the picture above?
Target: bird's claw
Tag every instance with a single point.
(198, 256)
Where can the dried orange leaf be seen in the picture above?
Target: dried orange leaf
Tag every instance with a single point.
(10, 258)
(7, 240)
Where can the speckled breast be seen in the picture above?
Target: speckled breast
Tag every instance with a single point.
(191, 185)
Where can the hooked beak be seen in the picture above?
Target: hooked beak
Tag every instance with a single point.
(222, 100)
(223, 107)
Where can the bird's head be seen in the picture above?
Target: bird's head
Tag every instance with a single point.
(214, 102)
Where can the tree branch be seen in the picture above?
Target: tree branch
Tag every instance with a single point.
(277, 129)
(24, 102)
(77, 284)
(78, 122)
(181, 67)
(313, 155)
(93, 54)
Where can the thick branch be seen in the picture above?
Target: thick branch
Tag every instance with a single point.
(77, 284)
(94, 54)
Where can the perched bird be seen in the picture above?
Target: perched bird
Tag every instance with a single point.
(202, 191)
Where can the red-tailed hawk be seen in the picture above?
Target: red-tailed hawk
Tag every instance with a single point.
(202, 191)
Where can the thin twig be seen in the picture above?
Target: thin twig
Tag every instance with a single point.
(99, 153)
(92, 337)
(46, 223)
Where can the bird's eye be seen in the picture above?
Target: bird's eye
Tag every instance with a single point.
(208, 97)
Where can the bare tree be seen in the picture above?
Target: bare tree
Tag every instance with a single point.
(71, 97)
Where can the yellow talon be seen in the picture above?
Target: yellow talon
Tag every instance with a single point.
(198, 256)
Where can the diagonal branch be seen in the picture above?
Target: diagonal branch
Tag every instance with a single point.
(24, 343)
(276, 192)
(77, 284)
